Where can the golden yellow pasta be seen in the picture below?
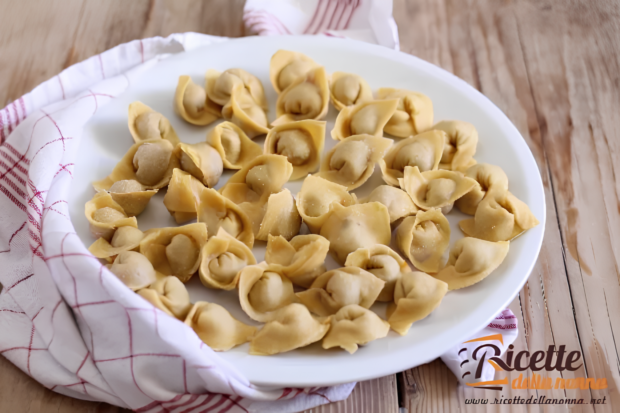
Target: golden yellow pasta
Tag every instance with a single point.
(335, 289)
(416, 295)
(472, 260)
(459, 146)
(280, 218)
(397, 201)
(356, 226)
(220, 86)
(366, 118)
(149, 162)
(175, 250)
(305, 98)
(383, 262)
(348, 89)
(490, 178)
(146, 124)
(244, 112)
(424, 239)
(353, 326)
(352, 161)
(169, 295)
(217, 328)
(291, 327)
(217, 211)
(104, 215)
(259, 178)
(222, 257)
(124, 239)
(182, 196)
(131, 196)
(201, 160)
(302, 258)
(316, 197)
(190, 103)
(233, 145)
(264, 289)
(301, 142)
(413, 115)
(499, 217)
(423, 150)
(286, 67)
(133, 269)
(435, 189)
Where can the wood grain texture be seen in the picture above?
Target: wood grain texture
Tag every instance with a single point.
(551, 65)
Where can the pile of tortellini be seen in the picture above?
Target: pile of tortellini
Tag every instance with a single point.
(429, 170)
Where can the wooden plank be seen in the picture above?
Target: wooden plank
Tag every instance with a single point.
(532, 60)
(372, 396)
(57, 34)
(19, 393)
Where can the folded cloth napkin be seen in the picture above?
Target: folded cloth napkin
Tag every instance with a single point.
(71, 324)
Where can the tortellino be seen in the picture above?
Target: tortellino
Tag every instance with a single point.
(104, 215)
(416, 295)
(499, 217)
(366, 118)
(133, 269)
(258, 179)
(264, 289)
(348, 89)
(383, 262)
(490, 178)
(316, 197)
(352, 161)
(435, 189)
(190, 102)
(182, 196)
(175, 250)
(472, 260)
(423, 150)
(335, 289)
(217, 328)
(124, 239)
(280, 218)
(414, 113)
(169, 295)
(201, 160)
(222, 257)
(244, 112)
(352, 326)
(424, 239)
(291, 327)
(149, 162)
(459, 146)
(356, 226)
(287, 67)
(146, 124)
(302, 259)
(301, 142)
(131, 196)
(305, 98)
(220, 86)
(233, 145)
(397, 201)
(217, 212)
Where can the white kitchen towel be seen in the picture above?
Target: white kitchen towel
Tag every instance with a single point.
(367, 20)
(65, 319)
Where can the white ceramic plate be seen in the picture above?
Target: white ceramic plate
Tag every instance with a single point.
(462, 312)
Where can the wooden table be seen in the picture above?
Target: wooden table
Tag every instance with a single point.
(552, 66)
